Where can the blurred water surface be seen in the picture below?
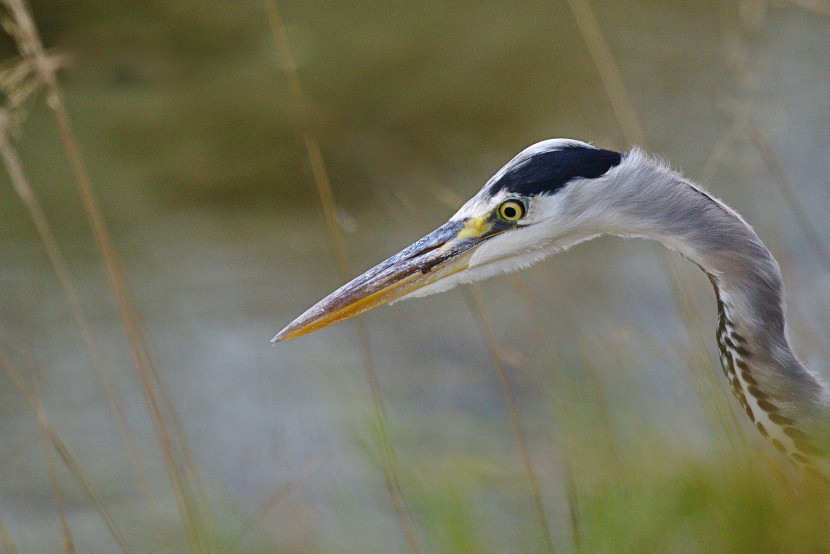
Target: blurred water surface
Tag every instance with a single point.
(191, 136)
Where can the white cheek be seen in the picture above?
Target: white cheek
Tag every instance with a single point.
(540, 228)
(511, 244)
(544, 232)
(504, 253)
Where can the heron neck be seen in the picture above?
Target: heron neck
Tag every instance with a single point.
(782, 398)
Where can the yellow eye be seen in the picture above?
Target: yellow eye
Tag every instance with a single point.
(511, 210)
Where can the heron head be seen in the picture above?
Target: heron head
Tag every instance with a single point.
(521, 215)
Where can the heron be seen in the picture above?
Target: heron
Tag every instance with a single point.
(561, 192)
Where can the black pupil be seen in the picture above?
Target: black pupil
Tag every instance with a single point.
(510, 212)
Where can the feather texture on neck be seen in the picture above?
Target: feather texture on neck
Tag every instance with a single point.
(644, 198)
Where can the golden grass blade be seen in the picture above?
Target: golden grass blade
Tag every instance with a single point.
(27, 195)
(312, 147)
(609, 73)
(718, 155)
(603, 412)
(625, 114)
(496, 355)
(705, 373)
(809, 231)
(64, 453)
(573, 507)
(155, 392)
(449, 198)
(560, 411)
(74, 467)
(68, 545)
(6, 539)
(274, 498)
(819, 7)
(324, 192)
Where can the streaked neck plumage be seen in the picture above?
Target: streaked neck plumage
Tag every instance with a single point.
(641, 197)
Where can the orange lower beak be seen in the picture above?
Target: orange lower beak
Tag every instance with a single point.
(443, 252)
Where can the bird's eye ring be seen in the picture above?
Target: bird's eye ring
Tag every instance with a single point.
(511, 210)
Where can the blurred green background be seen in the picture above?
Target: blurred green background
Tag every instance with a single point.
(192, 139)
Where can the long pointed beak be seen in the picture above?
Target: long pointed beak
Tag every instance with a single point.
(443, 252)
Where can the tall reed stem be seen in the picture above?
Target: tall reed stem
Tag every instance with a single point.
(171, 440)
(326, 196)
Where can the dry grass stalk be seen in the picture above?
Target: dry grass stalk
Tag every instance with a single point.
(6, 539)
(169, 435)
(274, 498)
(559, 408)
(602, 411)
(609, 73)
(718, 156)
(324, 191)
(68, 545)
(708, 385)
(477, 307)
(26, 193)
(573, 507)
(63, 451)
(632, 130)
(819, 7)
(705, 373)
(449, 198)
(809, 231)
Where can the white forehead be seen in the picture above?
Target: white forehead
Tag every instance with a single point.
(545, 146)
(483, 200)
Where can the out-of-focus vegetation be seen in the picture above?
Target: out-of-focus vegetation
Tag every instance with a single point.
(191, 134)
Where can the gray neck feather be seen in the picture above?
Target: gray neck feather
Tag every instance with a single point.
(641, 197)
